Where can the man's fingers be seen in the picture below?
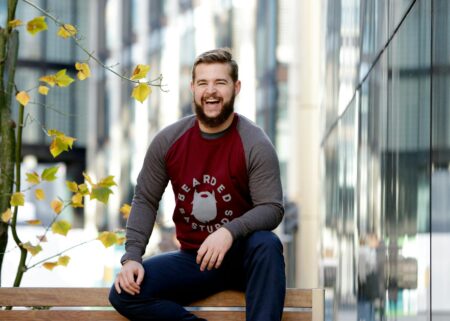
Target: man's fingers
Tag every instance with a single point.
(200, 254)
(117, 286)
(140, 276)
(219, 260)
(212, 260)
(205, 260)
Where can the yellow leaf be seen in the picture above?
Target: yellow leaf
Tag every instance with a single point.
(6, 215)
(57, 206)
(140, 71)
(63, 260)
(43, 90)
(107, 181)
(67, 30)
(49, 79)
(23, 98)
(141, 92)
(107, 238)
(88, 178)
(34, 222)
(15, 23)
(39, 194)
(61, 227)
(83, 189)
(17, 199)
(36, 25)
(120, 240)
(125, 210)
(60, 143)
(50, 265)
(72, 186)
(83, 70)
(49, 174)
(33, 178)
(77, 200)
(33, 250)
(62, 79)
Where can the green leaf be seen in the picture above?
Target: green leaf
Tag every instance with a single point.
(63, 260)
(49, 174)
(107, 238)
(61, 227)
(101, 194)
(72, 186)
(33, 178)
(33, 250)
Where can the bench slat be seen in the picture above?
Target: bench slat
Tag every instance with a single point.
(98, 297)
(64, 315)
(295, 298)
(71, 297)
(60, 315)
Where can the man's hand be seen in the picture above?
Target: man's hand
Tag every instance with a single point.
(125, 279)
(213, 249)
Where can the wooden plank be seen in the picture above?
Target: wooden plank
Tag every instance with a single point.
(240, 316)
(296, 298)
(54, 297)
(70, 315)
(60, 315)
(95, 297)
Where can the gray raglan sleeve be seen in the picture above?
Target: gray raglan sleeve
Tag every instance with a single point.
(266, 192)
(151, 183)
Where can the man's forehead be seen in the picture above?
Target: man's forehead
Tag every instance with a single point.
(213, 70)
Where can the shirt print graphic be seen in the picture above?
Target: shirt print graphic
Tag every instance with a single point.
(204, 204)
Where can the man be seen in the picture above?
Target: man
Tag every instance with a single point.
(225, 177)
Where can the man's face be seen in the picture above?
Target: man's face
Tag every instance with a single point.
(213, 93)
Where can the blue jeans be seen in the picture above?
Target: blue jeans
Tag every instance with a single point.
(254, 264)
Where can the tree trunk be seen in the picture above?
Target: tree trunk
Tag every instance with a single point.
(9, 44)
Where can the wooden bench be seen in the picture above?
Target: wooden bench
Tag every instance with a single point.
(91, 304)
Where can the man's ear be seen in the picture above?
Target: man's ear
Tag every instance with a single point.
(237, 87)
(192, 86)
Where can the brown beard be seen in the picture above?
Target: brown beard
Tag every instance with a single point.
(213, 122)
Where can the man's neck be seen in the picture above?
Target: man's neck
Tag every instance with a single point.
(213, 130)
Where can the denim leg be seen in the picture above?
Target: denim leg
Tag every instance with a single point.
(171, 280)
(265, 276)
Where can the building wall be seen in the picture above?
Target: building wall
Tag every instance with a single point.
(385, 159)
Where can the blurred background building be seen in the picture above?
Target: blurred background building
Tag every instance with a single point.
(353, 94)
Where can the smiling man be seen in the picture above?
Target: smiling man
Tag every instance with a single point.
(225, 177)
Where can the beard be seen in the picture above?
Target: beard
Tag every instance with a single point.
(213, 122)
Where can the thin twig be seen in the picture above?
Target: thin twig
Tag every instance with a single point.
(157, 82)
(60, 253)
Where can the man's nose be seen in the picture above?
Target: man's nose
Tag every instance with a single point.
(211, 88)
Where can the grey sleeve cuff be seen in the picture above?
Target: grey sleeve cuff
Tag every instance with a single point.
(131, 255)
(262, 217)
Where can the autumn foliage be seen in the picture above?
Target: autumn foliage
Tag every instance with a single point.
(60, 142)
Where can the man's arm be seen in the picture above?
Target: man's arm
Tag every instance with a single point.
(151, 183)
(265, 190)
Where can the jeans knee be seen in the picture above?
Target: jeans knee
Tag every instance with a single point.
(265, 241)
(115, 299)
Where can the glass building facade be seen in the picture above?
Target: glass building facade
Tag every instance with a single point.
(386, 157)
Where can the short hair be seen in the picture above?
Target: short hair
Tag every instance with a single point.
(220, 55)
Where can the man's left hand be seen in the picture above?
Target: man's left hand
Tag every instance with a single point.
(213, 249)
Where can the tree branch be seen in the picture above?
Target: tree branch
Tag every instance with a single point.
(157, 82)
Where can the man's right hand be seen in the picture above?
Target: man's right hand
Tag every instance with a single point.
(129, 278)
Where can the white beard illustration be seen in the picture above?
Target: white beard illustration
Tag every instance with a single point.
(204, 206)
